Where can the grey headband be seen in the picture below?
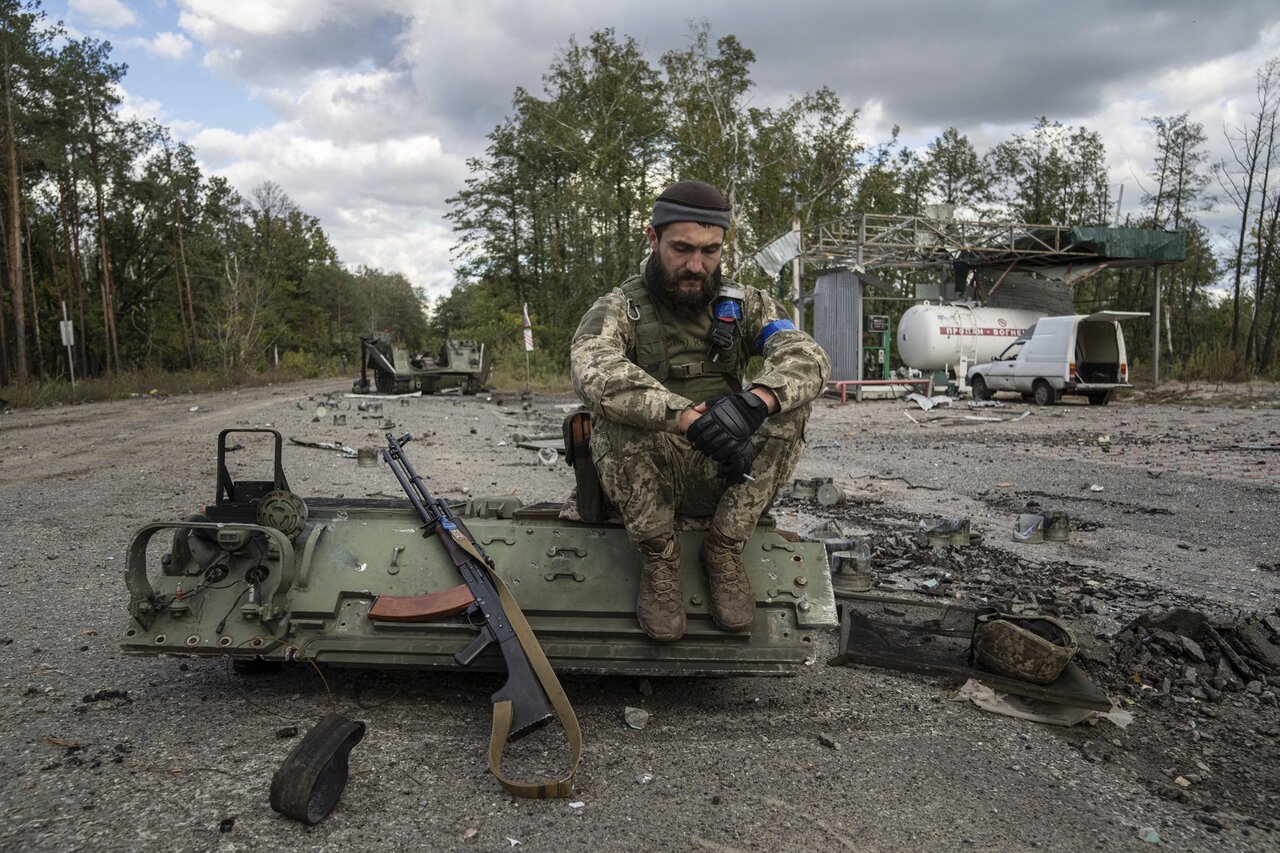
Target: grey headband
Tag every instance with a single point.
(666, 211)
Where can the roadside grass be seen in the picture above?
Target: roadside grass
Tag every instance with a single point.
(1229, 395)
(48, 392)
(507, 376)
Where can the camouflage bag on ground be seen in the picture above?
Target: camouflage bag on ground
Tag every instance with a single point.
(1030, 648)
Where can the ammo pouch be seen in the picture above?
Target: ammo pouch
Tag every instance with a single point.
(1029, 648)
(577, 452)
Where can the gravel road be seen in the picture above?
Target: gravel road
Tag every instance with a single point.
(108, 752)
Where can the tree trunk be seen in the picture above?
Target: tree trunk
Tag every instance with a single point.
(186, 278)
(35, 305)
(4, 343)
(14, 243)
(108, 295)
(1260, 280)
(1265, 272)
(182, 307)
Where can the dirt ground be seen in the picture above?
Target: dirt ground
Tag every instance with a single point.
(109, 752)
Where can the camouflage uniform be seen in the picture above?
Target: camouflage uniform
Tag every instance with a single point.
(647, 467)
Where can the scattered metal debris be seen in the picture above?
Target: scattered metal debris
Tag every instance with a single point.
(1029, 529)
(807, 489)
(933, 639)
(929, 403)
(829, 494)
(1057, 527)
(944, 532)
(851, 569)
(342, 449)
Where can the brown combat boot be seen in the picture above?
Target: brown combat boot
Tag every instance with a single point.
(733, 604)
(660, 604)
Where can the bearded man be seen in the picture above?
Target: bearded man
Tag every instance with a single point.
(677, 428)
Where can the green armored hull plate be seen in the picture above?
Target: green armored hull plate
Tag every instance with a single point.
(220, 584)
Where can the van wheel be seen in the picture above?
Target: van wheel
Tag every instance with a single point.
(979, 388)
(1042, 391)
(1099, 398)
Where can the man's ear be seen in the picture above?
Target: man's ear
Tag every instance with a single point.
(653, 238)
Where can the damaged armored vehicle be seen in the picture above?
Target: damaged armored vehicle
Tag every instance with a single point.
(460, 365)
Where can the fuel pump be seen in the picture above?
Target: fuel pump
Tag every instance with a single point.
(875, 346)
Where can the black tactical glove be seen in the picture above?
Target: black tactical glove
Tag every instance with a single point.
(727, 425)
(735, 469)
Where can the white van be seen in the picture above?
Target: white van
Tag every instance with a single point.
(1074, 354)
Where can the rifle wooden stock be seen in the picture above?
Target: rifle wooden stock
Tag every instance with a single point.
(422, 608)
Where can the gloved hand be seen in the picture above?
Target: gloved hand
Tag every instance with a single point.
(735, 469)
(727, 425)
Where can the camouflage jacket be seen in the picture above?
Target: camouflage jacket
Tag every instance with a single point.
(611, 385)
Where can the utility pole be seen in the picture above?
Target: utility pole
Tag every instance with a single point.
(797, 289)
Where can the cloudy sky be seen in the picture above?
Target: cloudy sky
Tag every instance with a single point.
(365, 111)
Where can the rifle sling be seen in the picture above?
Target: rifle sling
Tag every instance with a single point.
(502, 712)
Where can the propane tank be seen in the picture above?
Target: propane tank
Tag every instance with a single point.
(939, 337)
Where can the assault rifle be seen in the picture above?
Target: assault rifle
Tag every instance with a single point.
(525, 702)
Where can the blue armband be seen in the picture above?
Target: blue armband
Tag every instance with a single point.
(769, 331)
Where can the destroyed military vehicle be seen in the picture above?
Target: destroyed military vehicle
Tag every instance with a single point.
(261, 574)
(461, 364)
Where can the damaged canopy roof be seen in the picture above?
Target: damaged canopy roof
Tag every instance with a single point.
(1144, 244)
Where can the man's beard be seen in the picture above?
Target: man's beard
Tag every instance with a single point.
(675, 292)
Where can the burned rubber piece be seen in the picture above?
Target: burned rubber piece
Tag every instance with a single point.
(310, 782)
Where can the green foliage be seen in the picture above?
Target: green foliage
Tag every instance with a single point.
(309, 365)
(1054, 175)
(159, 266)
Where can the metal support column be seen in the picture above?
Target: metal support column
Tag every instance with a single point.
(1155, 338)
(797, 286)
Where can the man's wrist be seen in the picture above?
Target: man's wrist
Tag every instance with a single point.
(770, 399)
(687, 418)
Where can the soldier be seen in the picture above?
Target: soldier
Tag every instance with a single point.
(660, 361)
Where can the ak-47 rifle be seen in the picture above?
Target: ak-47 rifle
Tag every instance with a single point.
(532, 693)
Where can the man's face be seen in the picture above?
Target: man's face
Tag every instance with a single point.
(688, 255)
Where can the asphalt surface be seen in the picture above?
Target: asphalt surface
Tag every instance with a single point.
(110, 752)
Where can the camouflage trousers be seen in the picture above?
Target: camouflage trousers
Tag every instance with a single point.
(651, 476)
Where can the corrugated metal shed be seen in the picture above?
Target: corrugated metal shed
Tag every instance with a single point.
(837, 321)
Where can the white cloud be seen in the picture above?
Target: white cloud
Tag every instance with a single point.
(111, 14)
(381, 202)
(213, 19)
(134, 107)
(173, 46)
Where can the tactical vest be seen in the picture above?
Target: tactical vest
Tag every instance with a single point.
(675, 348)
